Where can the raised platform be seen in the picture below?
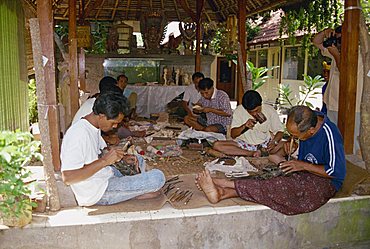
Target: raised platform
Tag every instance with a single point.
(341, 223)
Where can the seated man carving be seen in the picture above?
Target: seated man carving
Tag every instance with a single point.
(255, 126)
(215, 104)
(122, 82)
(92, 179)
(309, 182)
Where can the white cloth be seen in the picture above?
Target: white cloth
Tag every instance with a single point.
(261, 132)
(209, 136)
(153, 99)
(331, 95)
(191, 95)
(240, 168)
(81, 146)
(85, 109)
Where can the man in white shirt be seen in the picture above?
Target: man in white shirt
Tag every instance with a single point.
(92, 179)
(191, 94)
(251, 130)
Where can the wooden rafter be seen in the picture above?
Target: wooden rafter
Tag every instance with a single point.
(138, 12)
(187, 10)
(115, 9)
(99, 9)
(128, 8)
(32, 6)
(177, 10)
(220, 17)
(265, 7)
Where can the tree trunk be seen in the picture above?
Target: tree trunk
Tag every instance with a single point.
(365, 101)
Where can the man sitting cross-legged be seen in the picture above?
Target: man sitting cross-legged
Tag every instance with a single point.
(215, 104)
(313, 178)
(92, 179)
(252, 130)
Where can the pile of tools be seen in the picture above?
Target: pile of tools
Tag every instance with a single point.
(174, 193)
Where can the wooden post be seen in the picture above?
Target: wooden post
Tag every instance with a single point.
(73, 59)
(45, 110)
(200, 4)
(242, 11)
(46, 27)
(348, 74)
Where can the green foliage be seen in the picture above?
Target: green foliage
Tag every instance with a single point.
(365, 4)
(309, 17)
(99, 35)
(220, 44)
(259, 76)
(16, 149)
(311, 87)
(32, 102)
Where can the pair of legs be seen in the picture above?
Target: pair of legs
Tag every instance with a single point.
(215, 189)
(193, 121)
(233, 148)
(141, 186)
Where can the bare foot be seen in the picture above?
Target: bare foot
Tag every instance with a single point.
(197, 183)
(209, 188)
(148, 195)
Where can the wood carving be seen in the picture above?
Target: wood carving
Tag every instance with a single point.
(188, 33)
(152, 26)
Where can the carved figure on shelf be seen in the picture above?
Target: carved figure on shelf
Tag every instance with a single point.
(186, 79)
(177, 77)
(188, 33)
(165, 76)
(152, 25)
(112, 41)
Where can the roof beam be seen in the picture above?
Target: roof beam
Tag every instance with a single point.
(100, 7)
(177, 10)
(128, 8)
(138, 12)
(220, 17)
(188, 11)
(265, 7)
(115, 9)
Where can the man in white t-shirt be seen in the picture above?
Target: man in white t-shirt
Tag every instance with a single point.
(191, 94)
(92, 179)
(254, 126)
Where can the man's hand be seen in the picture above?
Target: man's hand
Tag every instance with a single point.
(132, 160)
(292, 166)
(112, 139)
(287, 147)
(250, 123)
(271, 145)
(114, 155)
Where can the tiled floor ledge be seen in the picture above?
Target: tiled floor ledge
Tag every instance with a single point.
(341, 223)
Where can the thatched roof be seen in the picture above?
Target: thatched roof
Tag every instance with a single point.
(174, 10)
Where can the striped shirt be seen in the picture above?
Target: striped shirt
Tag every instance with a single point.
(326, 148)
(221, 101)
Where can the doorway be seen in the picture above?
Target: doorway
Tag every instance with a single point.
(226, 76)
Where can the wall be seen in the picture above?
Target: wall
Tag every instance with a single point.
(13, 72)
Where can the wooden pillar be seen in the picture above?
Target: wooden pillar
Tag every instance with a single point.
(46, 111)
(242, 11)
(46, 27)
(200, 4)
(73, 59)
(348, 74)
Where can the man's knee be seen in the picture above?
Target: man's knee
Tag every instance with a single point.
(217, 145)
(157, 178)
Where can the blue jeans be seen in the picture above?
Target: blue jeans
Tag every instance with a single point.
(122, 188)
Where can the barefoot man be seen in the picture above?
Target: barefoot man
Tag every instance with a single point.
(313, 179)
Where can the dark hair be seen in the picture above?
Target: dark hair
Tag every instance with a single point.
(205, 83)
(338, 29)
(111, 105)
(122, 76)
(251, 99)
(303, 117)
(197, 75)
(108, 84)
